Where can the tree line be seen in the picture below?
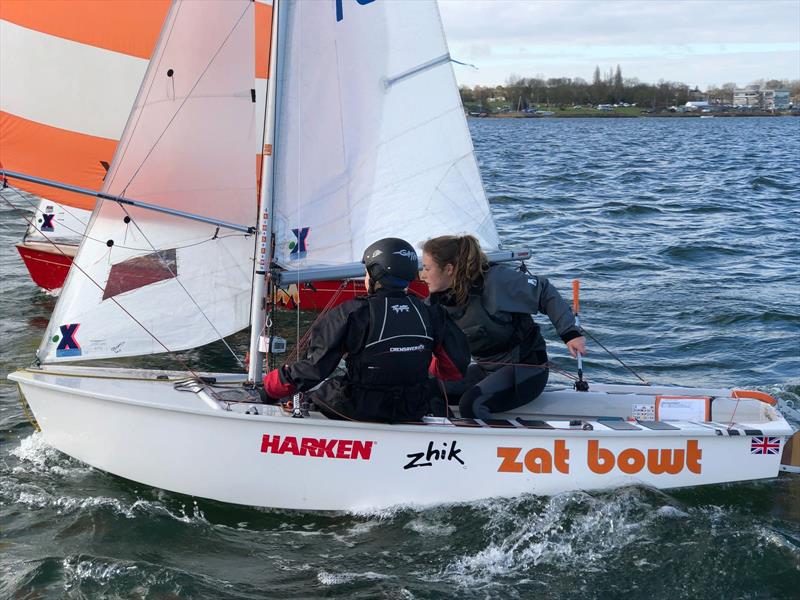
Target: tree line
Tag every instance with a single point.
(521, 93)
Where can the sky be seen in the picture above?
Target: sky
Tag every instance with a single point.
(698, 42)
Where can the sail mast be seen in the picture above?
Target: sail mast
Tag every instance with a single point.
(263, 258)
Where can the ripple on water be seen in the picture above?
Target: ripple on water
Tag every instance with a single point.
(773, 182)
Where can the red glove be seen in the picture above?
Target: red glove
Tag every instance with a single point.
(275, 387)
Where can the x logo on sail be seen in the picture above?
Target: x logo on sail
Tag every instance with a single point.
(68, 346)
(299, 248)
(47, 222)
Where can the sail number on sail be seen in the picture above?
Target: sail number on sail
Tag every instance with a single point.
(340, 10)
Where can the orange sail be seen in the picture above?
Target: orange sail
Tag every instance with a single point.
(69, 75)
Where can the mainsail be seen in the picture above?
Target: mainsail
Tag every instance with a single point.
(69, 73)
(188, 145)
(371, 135)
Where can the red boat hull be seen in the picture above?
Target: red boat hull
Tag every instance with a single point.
(47, 265)
(48, 268)
(323, 294)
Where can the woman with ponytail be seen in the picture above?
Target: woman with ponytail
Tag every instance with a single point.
(493, 304)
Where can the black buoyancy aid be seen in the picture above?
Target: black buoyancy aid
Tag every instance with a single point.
(399, 343)
(488, 334)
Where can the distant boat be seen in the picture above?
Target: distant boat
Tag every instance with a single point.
(67, 91)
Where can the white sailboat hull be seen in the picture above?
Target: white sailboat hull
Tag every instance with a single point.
(145, 430)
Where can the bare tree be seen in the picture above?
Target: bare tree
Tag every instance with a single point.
(618, 88)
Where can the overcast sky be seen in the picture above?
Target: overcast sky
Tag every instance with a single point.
(697, 42)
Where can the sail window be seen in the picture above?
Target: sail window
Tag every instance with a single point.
(138, 272)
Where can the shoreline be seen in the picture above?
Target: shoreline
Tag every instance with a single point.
(583, 115)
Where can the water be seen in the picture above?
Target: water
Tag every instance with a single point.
(684, 233)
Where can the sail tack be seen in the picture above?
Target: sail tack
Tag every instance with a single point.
(69, 73)
(372, 140)
(145, 282)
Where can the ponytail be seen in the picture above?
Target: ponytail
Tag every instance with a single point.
(469, 262)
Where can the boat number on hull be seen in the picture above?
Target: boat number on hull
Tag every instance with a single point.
(602, 460)
(317, 447)
(426, 458)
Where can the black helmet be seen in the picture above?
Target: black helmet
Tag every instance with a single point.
(391, 258)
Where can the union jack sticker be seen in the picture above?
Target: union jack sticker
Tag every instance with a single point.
(765, 445)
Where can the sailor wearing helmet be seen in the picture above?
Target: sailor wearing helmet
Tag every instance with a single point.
(390, 341)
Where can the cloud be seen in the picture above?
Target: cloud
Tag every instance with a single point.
(734, 40)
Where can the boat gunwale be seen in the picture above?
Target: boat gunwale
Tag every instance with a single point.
(769, 428)
(49, 247)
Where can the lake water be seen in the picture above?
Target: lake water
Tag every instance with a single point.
(685, 234)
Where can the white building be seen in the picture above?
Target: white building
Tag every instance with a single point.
(776, 99)
(747, 97)
(754, 96)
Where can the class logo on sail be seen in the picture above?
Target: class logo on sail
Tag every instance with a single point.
(67, 344)
(298, 247)
(47, 222)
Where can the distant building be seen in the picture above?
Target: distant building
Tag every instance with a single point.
(747, 97)
(776, 99)
(754, 97)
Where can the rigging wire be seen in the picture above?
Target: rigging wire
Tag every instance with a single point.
(302, 342)
(614, 356)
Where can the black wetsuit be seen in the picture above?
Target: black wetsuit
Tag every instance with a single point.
(510, 367)
(390, 342)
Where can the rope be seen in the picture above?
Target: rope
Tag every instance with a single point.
(115, 377)
(302, 342)
(27, 409)
(733, 414)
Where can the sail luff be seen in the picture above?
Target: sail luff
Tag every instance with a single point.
(266, 199)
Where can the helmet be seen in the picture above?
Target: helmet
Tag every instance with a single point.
(392, 260)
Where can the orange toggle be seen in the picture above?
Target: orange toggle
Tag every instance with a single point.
(576, 292)
(755, 396)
